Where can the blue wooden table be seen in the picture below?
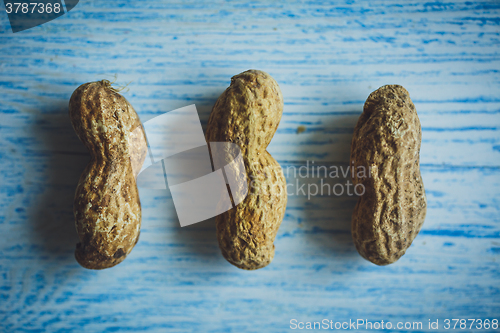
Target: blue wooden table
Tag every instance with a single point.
(327, 57)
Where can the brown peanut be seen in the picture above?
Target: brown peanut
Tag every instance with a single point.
(392, 210)
(248, 114)
(107, 208)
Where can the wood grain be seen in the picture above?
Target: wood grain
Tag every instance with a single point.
(327, 57)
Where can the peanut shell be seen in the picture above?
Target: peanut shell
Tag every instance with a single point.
(107, 208)
(390, 213)
(248, 114)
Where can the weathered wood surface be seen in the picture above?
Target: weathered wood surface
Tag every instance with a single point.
(327, 58)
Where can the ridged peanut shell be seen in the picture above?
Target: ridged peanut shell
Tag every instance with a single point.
(107, 208)
(386, 143)
(248, 114)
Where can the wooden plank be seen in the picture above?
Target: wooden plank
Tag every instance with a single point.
(327, 56)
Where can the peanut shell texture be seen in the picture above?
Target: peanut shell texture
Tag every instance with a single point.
(248, 113)
(391, 212)
(106, 207)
